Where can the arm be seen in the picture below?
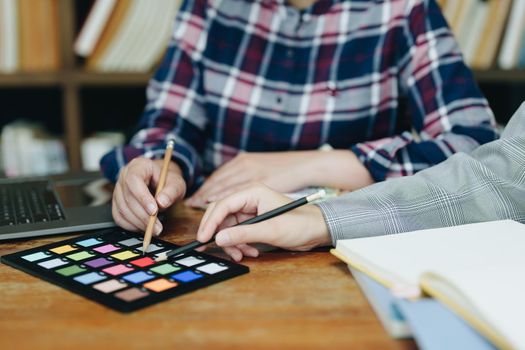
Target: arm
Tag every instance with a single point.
(448, 112)
(175, 102)
(488, 184)
(174, 111)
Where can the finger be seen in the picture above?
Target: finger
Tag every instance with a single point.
(219, 195)
(174, 189)
(128, 213)
(248, 250)
(136, 208)
(234, 253)
(117, 210)
(255, 233)
(218, 213)
(136, 184)
(205, 217)
(211, 187)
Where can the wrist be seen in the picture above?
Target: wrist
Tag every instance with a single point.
(316, 226)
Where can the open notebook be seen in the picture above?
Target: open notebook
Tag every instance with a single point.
(477, 270)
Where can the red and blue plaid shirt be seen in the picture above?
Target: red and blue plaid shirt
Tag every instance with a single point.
(384, 79)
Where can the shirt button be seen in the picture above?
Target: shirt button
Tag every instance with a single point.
(306, 17)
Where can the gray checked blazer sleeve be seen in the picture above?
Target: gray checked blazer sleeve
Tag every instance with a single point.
(487, 184)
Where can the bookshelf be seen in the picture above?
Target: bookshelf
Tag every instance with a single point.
(71, 81)
(82, 95)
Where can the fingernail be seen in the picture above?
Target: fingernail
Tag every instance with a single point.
(163, 200)
(237, 256)
(158, 228)
(222, 239)
(152, 208)
(212, 199)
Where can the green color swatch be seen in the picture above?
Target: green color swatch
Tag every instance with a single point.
(70, 270)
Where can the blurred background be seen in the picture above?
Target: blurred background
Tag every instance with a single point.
(73, 72)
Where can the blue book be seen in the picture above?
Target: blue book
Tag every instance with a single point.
(432, 325)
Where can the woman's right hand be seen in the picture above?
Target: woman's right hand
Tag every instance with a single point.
(301, 229)
(133, 201)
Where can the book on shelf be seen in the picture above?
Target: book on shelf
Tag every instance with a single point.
(95, 146)
(489, 32)
(513, 40)
(27, 150)
(29, 36)
(93, 26)
(475, 270)
(8, 36)
(131, 39)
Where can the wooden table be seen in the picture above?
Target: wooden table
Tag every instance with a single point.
(288, 300)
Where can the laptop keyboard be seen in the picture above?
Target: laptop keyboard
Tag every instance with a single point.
(26, 203)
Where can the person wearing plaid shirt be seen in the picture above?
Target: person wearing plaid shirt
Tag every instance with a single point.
(485, 185)
(250, 90)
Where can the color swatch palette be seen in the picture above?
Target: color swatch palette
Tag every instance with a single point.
(109, 267)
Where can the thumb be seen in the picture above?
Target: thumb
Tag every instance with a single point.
(173, 189)
(244, 234)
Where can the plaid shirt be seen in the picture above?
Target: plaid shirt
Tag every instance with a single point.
(384, 79)
(485, 185)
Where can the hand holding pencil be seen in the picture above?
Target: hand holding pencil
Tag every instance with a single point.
(133, 201)
(300, 229)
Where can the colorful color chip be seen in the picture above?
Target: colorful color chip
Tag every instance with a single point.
(189, 261)
(186, 276)
(212, 268)
(160, 285)
(130, 242)
(49, 264)
(165, 269)
(125, 255)
(143, 262)
(106, 248)
(99, 262)
(117, 270)
(110, 286)
(131, 294)
(35, 256)
(152, 248)
(138, 277)
(70, 270)
(63, 249)
(80, 256)
(88, 242)
(89, 278)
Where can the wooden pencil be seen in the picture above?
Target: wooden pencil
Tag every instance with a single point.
(160, 186)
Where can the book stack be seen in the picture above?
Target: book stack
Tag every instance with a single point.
(489, 32)
(28, 150)
(474, 274)
(29, 36)
(126, 35)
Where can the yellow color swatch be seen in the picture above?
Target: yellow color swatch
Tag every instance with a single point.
(63, 249)
(125, 255)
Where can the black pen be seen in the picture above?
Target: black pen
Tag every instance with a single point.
(268, 215)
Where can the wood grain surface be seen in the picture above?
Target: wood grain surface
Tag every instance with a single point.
(288, 301)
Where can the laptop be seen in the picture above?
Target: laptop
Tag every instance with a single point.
(50, 205)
